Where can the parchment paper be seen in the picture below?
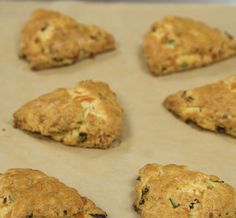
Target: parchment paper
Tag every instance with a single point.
(151, 133)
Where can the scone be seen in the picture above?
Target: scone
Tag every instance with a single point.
(87, 115)
(211, 107)
(172, 191)
(51, 39)
(177, 44)
(27, 193)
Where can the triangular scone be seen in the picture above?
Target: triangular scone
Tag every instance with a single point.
(173, 191)
(176, 44)
(50, 39)
(27, 193)
(211, 107)
(87, 115)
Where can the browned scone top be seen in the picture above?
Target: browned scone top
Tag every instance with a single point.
(211, 107)
(177, 44)
(27, 193)
(51, 39)
(87, 115)
(173, 191)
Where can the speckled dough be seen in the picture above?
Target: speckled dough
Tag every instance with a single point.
(211, 107)
(172, 191)
(177, 44)
(27, 193)
(50, 39)
(87, 115)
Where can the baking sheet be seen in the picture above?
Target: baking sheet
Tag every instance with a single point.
(151, 134)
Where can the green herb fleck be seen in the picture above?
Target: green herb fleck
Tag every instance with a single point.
(138, 178)
(219, 181)
(145, 190)
(190, 98)
(184, 93)
(98, 215)
(170, 41)
(174, 205)
(101, 95)
(210, 187)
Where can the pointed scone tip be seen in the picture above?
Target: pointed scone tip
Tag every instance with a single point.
(87, 115)
(211, 107)
(27, 193)
(51, 39)
(177, 44)
(174, 191)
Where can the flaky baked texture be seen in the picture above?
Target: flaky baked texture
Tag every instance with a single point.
(177, 44)
(211, 107)
(28, 193)
(51, 39)
(173, 191)
(87, 115)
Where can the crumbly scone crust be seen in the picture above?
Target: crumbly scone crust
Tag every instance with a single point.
(51, 39)
(87, 115)
(211, 107)
(173, 191)
(27, 193)
(177, 44)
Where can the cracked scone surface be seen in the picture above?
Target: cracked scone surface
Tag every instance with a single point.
(211, 107)
(87, 115)
(173, 191)
(51, 39)
(28, 193)
(177, 44)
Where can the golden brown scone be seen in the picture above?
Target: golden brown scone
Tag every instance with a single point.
(211, 107)
(51, 39)
(172, 191)
(87, 115)
(27, 193)
(177, 44)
